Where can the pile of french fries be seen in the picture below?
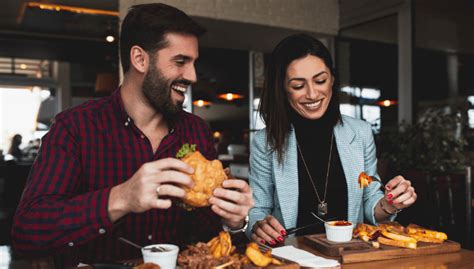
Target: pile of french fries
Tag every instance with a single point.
(221, 245)
(394, 234)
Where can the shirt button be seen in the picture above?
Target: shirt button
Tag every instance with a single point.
(102, 231)
(149, 237)
(142, 136)
(126, 123)
(71, 244)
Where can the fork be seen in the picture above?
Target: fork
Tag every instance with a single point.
(263, 247)
(382, 185)
(118, 265)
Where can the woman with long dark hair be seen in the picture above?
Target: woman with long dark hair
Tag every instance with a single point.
(15, 147)
(308, 158)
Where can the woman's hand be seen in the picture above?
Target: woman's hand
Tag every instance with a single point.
(399, 193)
(268, 230)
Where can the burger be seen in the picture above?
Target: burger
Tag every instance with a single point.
(207, 176)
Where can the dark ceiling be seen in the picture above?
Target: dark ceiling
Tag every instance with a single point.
(29, 31)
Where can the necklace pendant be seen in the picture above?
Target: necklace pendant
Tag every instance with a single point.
(322, 208)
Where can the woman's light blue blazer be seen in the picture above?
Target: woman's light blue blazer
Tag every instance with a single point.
(275, 185)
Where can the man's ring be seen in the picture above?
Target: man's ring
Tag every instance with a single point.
(158, 192)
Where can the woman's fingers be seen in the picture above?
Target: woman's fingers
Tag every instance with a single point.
(269, 230)
(404, 196)
(276, 225)
(400, 192)
(399, 188)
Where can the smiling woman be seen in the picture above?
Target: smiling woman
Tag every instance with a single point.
(308, 158)
(309, 86)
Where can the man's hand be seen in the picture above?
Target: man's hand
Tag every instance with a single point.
(232, 202)
(143, 190)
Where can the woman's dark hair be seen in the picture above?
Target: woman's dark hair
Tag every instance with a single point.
(274, 106)
(145, 26)
(16, 142)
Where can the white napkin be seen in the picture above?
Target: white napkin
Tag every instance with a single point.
(303, 258)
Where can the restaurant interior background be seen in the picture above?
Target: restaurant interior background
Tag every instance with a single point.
(407, 67)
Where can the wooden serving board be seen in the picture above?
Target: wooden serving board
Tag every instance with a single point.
(286, 264)
(359, 251)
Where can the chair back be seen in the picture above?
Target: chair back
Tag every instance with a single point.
(450, 199)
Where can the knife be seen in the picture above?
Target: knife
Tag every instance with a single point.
(295, 229)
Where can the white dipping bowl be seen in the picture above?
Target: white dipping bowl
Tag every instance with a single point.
(165, 259)
(338, 233)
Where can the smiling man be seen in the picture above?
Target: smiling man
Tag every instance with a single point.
(106, 169)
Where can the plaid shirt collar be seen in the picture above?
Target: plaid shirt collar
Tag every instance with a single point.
(125, 120)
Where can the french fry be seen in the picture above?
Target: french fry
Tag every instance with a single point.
(365, 227)
(217, 251)
(257, 257)
(276, 261)
(224, 244)
(392, 226)
(268, 253)
(398, 237)
(221, 245)
(423, 238)
(214, 245)
(364, 236)
(212, 241)
(376, 244)
(390, 242)
(245, 260)
(415, 229)
(224, 265)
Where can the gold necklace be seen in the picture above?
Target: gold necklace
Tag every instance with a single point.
(322, 206)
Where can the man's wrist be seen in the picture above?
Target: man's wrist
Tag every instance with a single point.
(236, 228)
(116, 208)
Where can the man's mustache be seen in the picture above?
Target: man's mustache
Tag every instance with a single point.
(183, 82)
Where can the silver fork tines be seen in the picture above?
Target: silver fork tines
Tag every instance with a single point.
(263, 247)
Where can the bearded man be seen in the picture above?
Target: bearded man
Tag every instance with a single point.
(106, 169)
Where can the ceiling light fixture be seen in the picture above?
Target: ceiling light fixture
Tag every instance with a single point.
(80, 10)
(387, 103)
(110, 38)
(201, 103)
(230, 96)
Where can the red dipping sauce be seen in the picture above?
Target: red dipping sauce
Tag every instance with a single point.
(341, 223)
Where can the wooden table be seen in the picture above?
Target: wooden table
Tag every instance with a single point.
(462, 259)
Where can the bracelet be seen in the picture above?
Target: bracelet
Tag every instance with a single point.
(386, 211)
(232, 231)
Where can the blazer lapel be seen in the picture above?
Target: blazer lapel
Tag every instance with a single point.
(351, 155)
(286, 181)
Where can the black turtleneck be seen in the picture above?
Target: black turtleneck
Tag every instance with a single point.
(314, 139)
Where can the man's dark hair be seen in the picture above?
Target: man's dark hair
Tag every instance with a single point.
(146, 25)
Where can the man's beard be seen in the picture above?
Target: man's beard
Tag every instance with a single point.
(157, 91)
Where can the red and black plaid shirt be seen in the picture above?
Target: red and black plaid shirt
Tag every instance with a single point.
(90, 149)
